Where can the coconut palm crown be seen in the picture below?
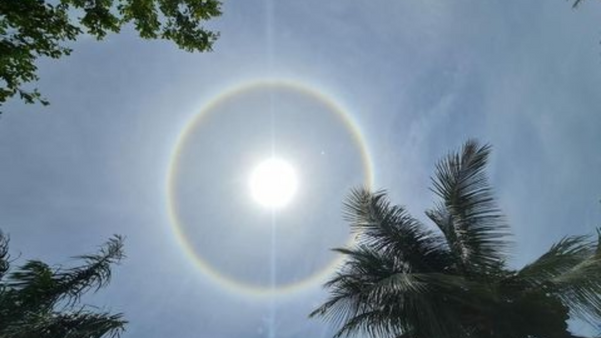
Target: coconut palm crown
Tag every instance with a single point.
(403, 279)
(40, 301)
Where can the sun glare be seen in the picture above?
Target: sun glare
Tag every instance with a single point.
(273, 183)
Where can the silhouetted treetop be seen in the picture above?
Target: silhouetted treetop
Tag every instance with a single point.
(33, 28)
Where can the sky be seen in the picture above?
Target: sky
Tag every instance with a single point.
(144, 140)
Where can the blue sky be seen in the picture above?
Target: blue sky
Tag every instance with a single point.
(417, 77)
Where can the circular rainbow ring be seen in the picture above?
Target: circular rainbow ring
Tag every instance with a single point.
(208, 270)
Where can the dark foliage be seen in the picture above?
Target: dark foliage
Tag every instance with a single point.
(404, 279)
(39, 301)
(30, 29)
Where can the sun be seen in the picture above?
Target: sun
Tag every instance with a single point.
(273, 183)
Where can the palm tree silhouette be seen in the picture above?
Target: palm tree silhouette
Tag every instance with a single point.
(39, 301)
(405, 279)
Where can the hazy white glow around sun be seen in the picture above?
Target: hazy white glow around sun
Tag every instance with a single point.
(273, 183)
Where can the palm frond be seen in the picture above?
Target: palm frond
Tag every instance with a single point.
(31, 288)
(31, 294)
(580, 287)
(468, 215)
(95, 273)
(377, 293)
(363, 268)
(561, 258)
(377, 323)
(78, 324)
(38, 281)
(390, 229)
(571, 271)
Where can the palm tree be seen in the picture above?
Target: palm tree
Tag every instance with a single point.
(38, 301)
(405, 279)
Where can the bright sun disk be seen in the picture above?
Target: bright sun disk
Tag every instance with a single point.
(273, 183)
